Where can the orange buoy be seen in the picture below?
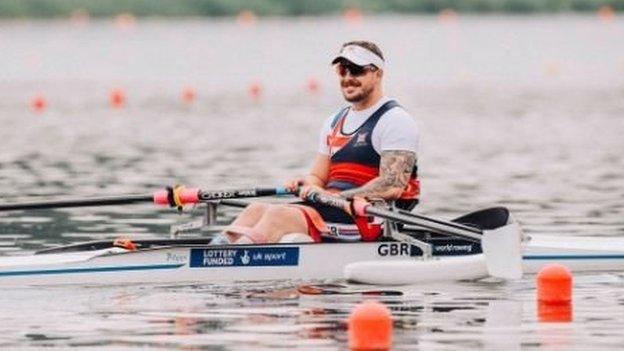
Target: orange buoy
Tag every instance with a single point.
(554, 312)
(554, 294)
(352, 15)
(370, 327)
(255, 90)
(38, 104)
(125, 20)
(606, 13)
(554, 284)
(312, 85)
(246, 18)
(189, 95)
(117, 98)
(552, 69)
(80, 18)
(448, 16)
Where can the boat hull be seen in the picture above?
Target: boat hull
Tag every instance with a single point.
(195, 264)
(206, 264)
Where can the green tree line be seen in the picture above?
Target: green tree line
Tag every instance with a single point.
(105, 8)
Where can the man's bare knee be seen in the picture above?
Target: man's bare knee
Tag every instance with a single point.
(280, 212)
(251, 214)
(257, 207)
(282, 219)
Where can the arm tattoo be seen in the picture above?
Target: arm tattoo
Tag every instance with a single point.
(395, 169)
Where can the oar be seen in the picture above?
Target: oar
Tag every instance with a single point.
(175, 197)
(501, 246)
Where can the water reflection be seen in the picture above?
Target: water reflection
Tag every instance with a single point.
(277, 314)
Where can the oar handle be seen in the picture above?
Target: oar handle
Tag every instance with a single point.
(358, 207)
(242, 193)
(334, 201)
(187, 196)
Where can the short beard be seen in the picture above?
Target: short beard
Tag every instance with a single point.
(359, 97)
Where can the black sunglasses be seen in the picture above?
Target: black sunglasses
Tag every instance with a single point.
(354, 70)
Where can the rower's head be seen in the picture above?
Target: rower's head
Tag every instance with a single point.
(359, 67)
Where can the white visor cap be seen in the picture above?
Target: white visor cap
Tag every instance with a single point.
(360, 56)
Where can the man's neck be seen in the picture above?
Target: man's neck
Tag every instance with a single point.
(370, 101)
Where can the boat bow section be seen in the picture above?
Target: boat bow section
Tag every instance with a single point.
(580, 254)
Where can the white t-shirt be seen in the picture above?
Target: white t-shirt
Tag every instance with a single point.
(395, 130)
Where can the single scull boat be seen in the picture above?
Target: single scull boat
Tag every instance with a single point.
(421, 250)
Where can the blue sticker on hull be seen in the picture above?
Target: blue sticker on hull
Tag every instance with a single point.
(245, 256)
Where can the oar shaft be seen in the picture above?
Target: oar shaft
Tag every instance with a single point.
(401, 216)
(443, 222)
(86, 202)
(424, 222)
(164, 197)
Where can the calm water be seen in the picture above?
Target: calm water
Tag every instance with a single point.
(524, 112)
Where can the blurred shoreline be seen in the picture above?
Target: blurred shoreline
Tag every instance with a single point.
(296, 8)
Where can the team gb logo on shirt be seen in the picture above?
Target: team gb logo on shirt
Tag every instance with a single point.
(360, 140)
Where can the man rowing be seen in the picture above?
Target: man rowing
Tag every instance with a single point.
(367, 150)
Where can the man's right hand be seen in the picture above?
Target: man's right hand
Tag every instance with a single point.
(294, 184)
